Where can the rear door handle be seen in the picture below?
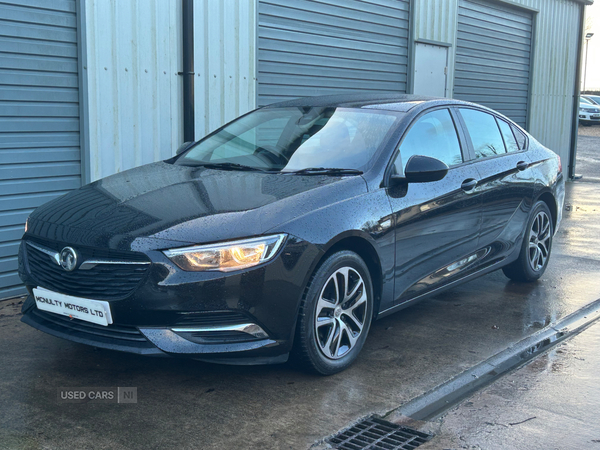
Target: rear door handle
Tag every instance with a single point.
(522, 165)
(469, 184)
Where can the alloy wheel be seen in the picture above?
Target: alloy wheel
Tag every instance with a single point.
(539, 241)
(341, 313)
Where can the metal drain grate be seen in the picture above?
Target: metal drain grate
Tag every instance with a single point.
(376, 434)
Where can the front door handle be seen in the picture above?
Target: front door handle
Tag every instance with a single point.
(522, 165)
(469, 184)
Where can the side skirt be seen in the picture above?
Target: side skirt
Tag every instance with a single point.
(411, 301)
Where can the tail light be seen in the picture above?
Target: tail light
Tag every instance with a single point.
(559, 165)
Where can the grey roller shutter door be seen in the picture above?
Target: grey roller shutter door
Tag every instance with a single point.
(493, 57)
(315, 47)
(39, 117)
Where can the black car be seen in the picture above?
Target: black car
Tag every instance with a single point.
(289, 229)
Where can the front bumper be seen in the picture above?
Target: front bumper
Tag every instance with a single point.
(589, 117)
(246, 317)
(146, 341)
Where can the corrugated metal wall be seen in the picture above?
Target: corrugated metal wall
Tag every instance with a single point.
(493, 57)
(225, 61)
(129, 127)
(553, 81)
(330, 46)
(39, 117)
(553, 71)
(134, 93)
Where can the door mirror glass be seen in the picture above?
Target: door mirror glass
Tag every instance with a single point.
(183, 147)
(424, 169)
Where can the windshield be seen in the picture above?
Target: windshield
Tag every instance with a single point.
(594, 99)
(292, 139)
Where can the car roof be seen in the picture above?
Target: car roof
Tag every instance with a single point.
(385, 101)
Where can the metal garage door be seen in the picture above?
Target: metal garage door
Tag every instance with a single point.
(493, 57)
(314, 47)
(39, 117)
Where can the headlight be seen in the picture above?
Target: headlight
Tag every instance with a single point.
(590, 110)
(228, 256)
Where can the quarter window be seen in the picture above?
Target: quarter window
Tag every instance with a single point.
(521, 139)
(509, 137)
(433, 135)
(484, 132)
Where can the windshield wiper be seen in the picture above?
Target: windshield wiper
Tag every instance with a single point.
(326, 171)
(233, 166)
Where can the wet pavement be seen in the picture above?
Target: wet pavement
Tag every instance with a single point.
(551, 403)
(588, 152)
(190, 404)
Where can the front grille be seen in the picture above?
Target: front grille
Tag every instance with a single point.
(102, 282)
(79, 326)
(373, 433)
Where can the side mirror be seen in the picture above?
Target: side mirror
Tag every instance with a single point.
(424, 169)
(183, 147)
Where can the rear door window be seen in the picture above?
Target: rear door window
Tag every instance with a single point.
(484, 132)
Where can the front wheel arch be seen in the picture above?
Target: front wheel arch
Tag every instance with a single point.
(363, 248)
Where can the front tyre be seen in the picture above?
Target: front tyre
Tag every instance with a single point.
(335, 314)
(536, 247)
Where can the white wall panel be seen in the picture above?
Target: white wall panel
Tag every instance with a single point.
(224, 61)
(134, 92)
(436, 20)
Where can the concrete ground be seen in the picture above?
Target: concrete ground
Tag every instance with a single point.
(551, 403)
(189, 404)
(588, 152)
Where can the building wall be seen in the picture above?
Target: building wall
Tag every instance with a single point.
(554, 67)
(224, 61)
(39, 118)
(134, 93)
(555, 59)
(435, 20)
(592, 25)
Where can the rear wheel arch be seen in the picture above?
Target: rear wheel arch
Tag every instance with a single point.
(549, 200)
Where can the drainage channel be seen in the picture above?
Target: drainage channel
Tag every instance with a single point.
(441, 398)
(378, 433)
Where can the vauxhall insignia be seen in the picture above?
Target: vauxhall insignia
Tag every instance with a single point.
(68, 259)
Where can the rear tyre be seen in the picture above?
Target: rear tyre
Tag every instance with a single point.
(536, 247)
(335, 315)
